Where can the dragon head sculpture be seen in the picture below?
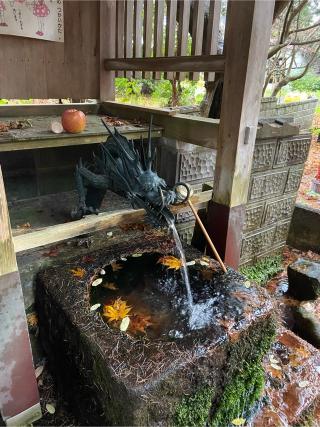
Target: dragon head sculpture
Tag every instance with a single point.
(127, 171)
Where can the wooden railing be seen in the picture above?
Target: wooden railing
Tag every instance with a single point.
(170, 30)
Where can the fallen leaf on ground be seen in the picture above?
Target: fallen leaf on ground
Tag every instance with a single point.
(116, 266)
(226, 323)
(275, 372)
(24, 226)
(190, 263)
(203, 262)
(303, 384)
(110, 285)
(124, 324)
(78, 272)
(171, 262)
(238, 421)
(139, 323)
(136, 255)
(53, 252)
(275, 366)
(240, 295)
(95, 307)
(32, 320)
(110, 234)
(247, 284)
(96, 282)
(273, 359)
(50, 408)
(102, 272)
(117, 311)
(87, 259)
(302, 352)
(38, 371)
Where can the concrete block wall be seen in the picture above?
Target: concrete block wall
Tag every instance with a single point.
(188, 163)
(301, 112)
(277, 168)
(275, 179)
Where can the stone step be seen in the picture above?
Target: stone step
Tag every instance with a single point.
(293, 381)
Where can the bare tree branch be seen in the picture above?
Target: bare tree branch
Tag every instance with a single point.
(289, 78)
(284, 28)
(294, 13)
(317, 24)
(303, 43)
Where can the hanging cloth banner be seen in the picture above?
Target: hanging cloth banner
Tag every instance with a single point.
(39, 19)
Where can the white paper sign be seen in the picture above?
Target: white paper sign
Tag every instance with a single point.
(40, 19)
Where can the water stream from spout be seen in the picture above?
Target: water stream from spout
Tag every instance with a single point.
(184, 269)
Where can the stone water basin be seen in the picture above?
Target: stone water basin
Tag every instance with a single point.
(146, 376)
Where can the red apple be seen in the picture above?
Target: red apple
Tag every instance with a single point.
(73, 121)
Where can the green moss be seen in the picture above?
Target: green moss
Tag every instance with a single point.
(243, 382)
(240, 395)
(194, 410)
(245, 378)
(263, 269)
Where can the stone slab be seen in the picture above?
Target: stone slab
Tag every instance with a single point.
(304, 232)
(304, 279)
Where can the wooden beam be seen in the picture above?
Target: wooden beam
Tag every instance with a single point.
(8, 262)
(201, 63)
(107, 46)
(170, 32)
(137, 40)
(197, 32)
(158, 32)
(26, 111)
(212, 33)
(193, 129)
(129, 32)
(246, 57)
(19, 397)
(183, 31)
(147, 33)
(19, 145)
(91, 224)
(121, 8)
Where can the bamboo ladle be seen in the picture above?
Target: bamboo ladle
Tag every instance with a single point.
(206, 235)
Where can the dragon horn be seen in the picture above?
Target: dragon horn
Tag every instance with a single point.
(149, 144)
(107, 127)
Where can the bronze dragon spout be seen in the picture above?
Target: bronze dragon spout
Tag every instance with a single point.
(128, 172)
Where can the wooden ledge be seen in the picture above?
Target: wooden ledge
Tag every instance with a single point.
(91, 224)
(200, 63)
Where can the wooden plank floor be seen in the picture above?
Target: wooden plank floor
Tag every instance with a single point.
(40, 135)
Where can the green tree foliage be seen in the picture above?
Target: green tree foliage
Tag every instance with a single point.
(158, 92)
(310, 83)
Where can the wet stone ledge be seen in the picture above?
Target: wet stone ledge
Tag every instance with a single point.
(113, 378)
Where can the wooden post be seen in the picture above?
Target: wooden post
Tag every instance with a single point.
(107, 49)
(247, 40)
(19, 398)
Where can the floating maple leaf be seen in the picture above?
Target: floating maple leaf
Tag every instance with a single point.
(207, 274)
(32, 319)
(116, 266)
(78, 272)
(170, 262)
(110, 285)
(139, 323)
(117, 311)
